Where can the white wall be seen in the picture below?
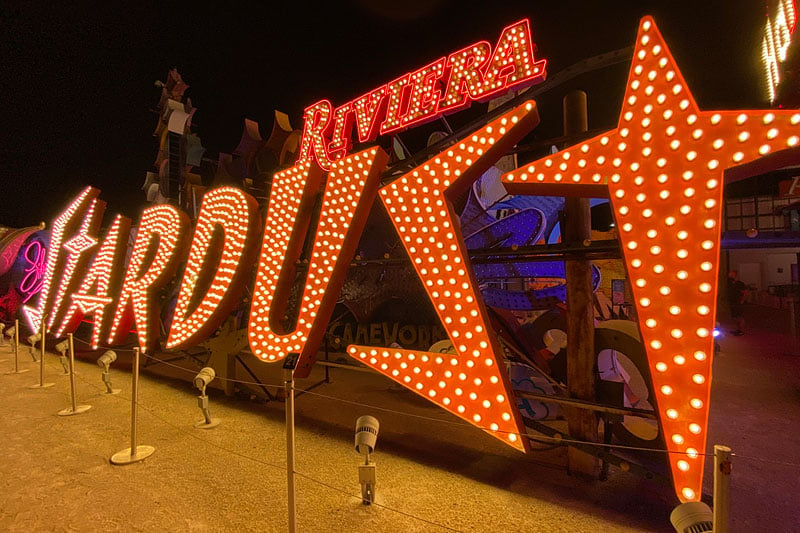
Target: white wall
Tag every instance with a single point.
(772, 261)
(779, 268)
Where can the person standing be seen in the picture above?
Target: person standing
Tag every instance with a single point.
(735, 292)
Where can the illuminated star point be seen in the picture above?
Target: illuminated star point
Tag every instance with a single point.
(663, 170)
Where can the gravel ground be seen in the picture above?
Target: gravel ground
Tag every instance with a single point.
(434, 473)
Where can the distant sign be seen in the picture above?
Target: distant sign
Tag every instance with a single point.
(787, 188)
(618, 292)
(777, 38)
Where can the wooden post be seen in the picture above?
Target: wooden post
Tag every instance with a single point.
(581, 360)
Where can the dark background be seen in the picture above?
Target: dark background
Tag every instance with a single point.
(76, 79)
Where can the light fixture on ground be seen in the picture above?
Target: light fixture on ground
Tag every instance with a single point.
(32, 340)
(62, 348)
(366, 437)
(201, 381)
(104, 362)
(692, 516)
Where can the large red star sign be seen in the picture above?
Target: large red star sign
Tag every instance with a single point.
(663, 169)
(473, 383)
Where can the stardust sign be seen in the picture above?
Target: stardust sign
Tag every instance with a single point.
(662, 168)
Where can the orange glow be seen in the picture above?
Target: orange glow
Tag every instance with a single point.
(472, 384)
(351, 188)
(512, 61)
(465, 76)
(100, 287)
(317, 126)
(424, 96)
(66, 223)
(367, 110)
(775, 44)
(80, 250)
(442, 86)
(663, 169)
(234, 214)
(156, 253)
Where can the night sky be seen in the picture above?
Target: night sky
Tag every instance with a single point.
(76, 79)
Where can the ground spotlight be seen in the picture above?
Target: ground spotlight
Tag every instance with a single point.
(10, 332)
(2, 336)
(62, 348)
(201, 381)
(104, 362)
(692, 516)
(366, 436)
(32, 340)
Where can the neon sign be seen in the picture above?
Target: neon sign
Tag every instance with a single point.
(235, 213)
(777, 38)
(662, 168)
(444, 86)
(63, 226)
(100, 287)
(472, 384)
(156, 252)
(36, 258)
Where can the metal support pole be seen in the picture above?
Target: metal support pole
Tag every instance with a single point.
(41, 355)
(208, 422)
(75, 409)
(722, 486)
(3, 338)
(135, 453)
(16, 346)
(581, 359)
(41, 384)
(72, 373)
(16, 351)
(288, 384)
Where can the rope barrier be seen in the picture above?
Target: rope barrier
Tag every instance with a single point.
(358, 497)
(539, 437)
(263, 462)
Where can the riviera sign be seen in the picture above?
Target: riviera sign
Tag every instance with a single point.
(442, 87)
(662, 167)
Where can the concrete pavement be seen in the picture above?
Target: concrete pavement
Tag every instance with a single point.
(434, 473)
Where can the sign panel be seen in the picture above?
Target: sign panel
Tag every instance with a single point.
(662, 167)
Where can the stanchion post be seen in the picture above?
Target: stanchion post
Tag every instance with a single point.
(41, 384)
(289, 365)
(16, 346)
(41, 354)
(16, 351)
(135, 453)
(43, 339)
(75, 409)
(722, 487)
